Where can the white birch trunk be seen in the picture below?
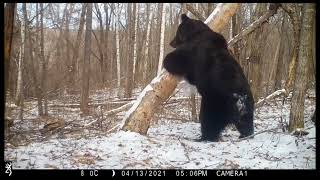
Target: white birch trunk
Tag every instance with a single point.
(135, 42)
(20, 67)
(118, 51)
(162, 30)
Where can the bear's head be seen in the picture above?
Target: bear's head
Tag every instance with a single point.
(187, 30)
(191, 30)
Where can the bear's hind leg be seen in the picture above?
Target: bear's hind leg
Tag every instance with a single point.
(245, 125)
(212, 123)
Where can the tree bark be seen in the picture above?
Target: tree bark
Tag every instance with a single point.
(43, 72)
(101, 45)
(8, 30)
(135, 17)
(129, 69)
(73, 68)
(108, 64)
(305, 56)
(210, 8)
(146, 52)
(281, 61)
(293, 12)
(162, 30)
(8, 33)
(256, 60)
(67, 39)
(86, 64)
(117, 25)
(215, 18)
(31, 58)
(138, 118)
(193, 105)
(20, 92)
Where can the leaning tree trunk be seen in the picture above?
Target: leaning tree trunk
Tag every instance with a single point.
(305, 56)
(139, 116)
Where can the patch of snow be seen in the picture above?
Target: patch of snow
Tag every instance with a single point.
(170, 144)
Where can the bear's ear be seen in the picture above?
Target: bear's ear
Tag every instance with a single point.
(184, 17)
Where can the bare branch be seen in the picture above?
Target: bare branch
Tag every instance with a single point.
(271, 96)
(252, 27)
(111, 112)
(31, 19)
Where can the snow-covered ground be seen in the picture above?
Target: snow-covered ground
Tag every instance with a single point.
(169, 144)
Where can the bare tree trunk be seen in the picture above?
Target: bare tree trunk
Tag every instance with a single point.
(101, 45)
(117, 22)
(20, 93)
(146, 52)
(43, 74)
(67, 40)
(108, 67)
(305, 56)
(73, 68)
(8, 30)
(163, 23)
(256, 63)
(273, 73)
(234, 32)
(293, 12)
(129, 70)
(138, 117)
(29, 54)
(281, 61)
(135, 41)
(209, 9)
(41, 59)
(86, 64)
